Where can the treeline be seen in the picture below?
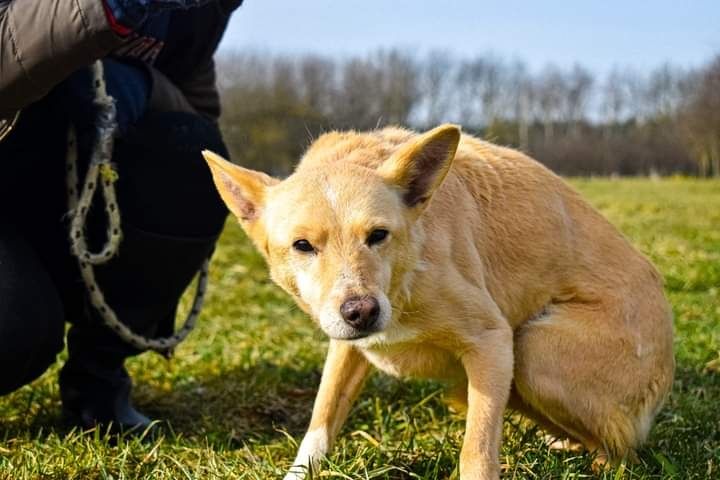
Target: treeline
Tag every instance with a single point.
(627, 123)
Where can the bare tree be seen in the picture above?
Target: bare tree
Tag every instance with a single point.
(398, 86)
(549, 89)
(317, 78)
(616, 98)
(357, 102)
(478, 90)
(701, 119)
(663, 91)
(466, 92)
(436, 87)
(578, 88)
(518, 97)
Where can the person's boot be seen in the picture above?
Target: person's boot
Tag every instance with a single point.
(93, 398)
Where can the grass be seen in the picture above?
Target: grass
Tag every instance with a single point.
(239, 393)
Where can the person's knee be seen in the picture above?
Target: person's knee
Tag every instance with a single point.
(165, 186)
(31, 315)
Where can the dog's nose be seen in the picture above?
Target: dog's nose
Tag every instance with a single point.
(360, 312)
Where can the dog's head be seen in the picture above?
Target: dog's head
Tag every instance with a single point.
(341, 236)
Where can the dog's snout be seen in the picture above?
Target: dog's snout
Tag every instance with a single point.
(360, 312)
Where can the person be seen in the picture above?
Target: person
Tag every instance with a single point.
(158, 61)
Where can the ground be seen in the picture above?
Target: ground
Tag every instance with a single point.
(239, 392)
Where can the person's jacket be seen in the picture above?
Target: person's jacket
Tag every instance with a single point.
(43, 41)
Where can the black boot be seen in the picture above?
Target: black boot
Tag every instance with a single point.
(99, 397)
(171, 219)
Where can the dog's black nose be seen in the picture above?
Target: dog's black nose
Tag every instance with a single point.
(360, 312)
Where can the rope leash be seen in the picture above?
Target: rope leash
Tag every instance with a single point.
(7, 125)
(101, 172)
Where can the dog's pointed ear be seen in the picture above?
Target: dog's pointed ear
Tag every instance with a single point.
(242, 190)
(420, 165)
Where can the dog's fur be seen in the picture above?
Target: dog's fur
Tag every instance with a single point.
(496, 275)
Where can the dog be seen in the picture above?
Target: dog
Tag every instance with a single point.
(439, 255)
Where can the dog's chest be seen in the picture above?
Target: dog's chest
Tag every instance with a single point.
(415, 360)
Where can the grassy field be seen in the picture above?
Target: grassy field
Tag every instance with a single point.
(238, 394)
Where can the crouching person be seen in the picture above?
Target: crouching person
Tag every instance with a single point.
(158, 65)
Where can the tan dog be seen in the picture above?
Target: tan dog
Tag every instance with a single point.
(443, 256)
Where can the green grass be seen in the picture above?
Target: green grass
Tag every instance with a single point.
(239, 393)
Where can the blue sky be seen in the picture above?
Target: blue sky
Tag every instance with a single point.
(631, 33)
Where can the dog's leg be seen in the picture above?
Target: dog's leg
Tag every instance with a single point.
(343, 376)
(593, 374)
(489, 368)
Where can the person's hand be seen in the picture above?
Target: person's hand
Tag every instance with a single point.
(133, 13)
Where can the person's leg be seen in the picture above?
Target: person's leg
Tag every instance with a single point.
(33, 245)
(31, 313)
(171, 218)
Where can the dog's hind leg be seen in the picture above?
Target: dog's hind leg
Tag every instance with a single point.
(343, 376)
(554, 437)
(596, 374)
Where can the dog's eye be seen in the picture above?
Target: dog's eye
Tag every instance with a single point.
(376, 236)
(303, 245)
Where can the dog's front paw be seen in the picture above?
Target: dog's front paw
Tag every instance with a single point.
(313, 447)
(302, 467)
(296, 473)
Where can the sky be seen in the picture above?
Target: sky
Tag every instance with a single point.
(641, 34)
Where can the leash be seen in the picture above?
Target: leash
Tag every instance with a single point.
(7, 125)
(101, 174)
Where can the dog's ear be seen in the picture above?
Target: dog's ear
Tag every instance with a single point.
(420, 165)
(242, 190)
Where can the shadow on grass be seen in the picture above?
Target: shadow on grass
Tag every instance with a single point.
(268, 401)
(231, 407)
(258, 403)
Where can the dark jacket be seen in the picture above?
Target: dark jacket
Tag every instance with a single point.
(43, 41)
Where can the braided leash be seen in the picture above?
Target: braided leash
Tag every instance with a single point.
(101, 171)
(7, 125)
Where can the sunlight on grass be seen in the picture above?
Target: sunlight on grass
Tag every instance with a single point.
(238, 393)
